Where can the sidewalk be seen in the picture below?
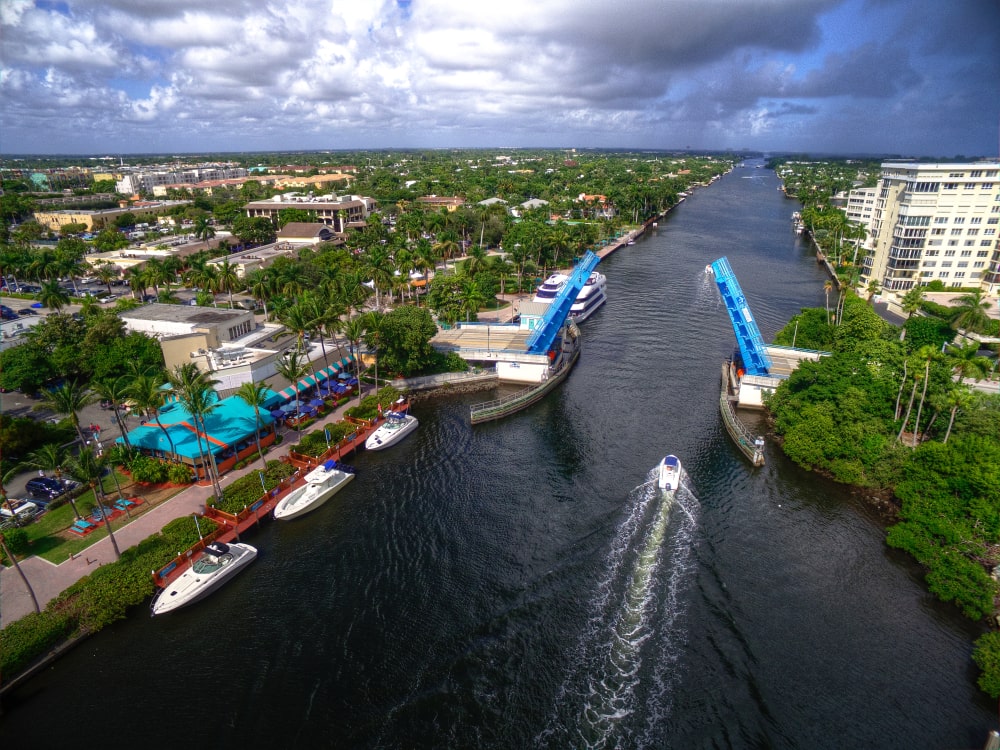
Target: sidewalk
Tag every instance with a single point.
(49, 580)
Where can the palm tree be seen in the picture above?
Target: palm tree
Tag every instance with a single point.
(926, 353)
(293, 366)
(88, 468)
(956, 399)
(260, 287)
(971, 312)
(966, 362)
(106, 272)
(228, 279)
(195, 391)
(472, 298)
(53, 296)
(147, 395)
(115, 391)
(354, 332)
(70, 399)
(7, 476)
(911, 303)
(255, 395)
(827, 288)
(379, 267)
(203, 228)
(51, 457)
(373, 321)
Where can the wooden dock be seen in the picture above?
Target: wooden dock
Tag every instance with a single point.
(750, 445)
(229, 526)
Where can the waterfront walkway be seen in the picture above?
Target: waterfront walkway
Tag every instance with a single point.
(49, 580)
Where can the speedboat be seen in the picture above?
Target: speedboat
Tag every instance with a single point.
(670, 473)
(550, 288)
(398, 424)
(218, 563)
(592, 296)
(322, 483)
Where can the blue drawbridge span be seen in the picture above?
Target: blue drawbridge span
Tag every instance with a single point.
(752, 348)
(555, 316)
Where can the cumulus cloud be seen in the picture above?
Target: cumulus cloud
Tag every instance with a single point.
(187, 75)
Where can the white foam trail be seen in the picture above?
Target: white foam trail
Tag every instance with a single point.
(606, 673)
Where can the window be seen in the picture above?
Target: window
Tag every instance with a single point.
(931, 243)
(976, 173)
(943, 275)
(959, 274)
(915, 221)
(937, 231)
(956, 232)
(987, 186)
(956, 174)
(959, 219)
(930, 263)
(950, 186)
(949, 253)
(952, 243)
(966, 254)
(940, 219)
(985, 243)
(982, 253)
(976, 220)
(945, 264)
(927, 274)
(969, 243)
(963, 264)
(989, 232)
(993, 220)
(979, 264)
(925, 187)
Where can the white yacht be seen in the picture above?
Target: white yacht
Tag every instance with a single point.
(669, 478)
(322, 483)
(592, 296)
(218, 563)
(398, 424)
(550, 288)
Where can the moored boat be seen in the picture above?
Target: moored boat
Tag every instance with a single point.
(218, 563)
(322, 483)
(398, 424)
(591, 297)
(549, 289)
(670, 473)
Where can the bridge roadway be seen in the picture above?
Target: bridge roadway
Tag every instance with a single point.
(492, 338)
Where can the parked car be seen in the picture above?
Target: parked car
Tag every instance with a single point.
(6, 313)
(45, 487)
(24, 510)
(107, 298)
(27, 311)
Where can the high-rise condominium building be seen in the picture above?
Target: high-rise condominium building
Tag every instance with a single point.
(935, 222)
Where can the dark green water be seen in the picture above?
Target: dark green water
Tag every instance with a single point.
(521, 584)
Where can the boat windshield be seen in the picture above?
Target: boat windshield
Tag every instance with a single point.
(210, 563)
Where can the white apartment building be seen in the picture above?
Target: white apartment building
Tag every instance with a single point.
(861, 206)
(144, 181)
(333, 210)
(935, 222)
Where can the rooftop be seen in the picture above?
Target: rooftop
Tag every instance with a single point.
(184, 314)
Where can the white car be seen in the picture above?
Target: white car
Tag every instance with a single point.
(23, 509)
(107, 298)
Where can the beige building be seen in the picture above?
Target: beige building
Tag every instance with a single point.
(97, 220)
(935, 222)
(332, 210)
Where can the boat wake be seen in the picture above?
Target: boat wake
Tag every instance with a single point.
(626, 658)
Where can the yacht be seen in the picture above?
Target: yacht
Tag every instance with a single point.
(218, 563)
(670, 473)
(322, 483)
(398, 424)
(550, 288)
(591, 297)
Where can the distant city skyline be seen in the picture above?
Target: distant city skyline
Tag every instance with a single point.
(909, 77)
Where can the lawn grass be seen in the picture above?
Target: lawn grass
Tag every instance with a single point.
(48, 536)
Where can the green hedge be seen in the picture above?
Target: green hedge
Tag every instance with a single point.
(368, 408)
(98, 599)
(315, 443)
(246, 490)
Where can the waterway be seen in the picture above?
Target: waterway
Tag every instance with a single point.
(523, 584)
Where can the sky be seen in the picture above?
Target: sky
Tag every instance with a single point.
(903, 77)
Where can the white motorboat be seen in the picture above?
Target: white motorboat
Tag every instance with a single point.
(322, 483)
(398, 424)
(670, 473)
(592, 296)
(218, 563)
(550, 288)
